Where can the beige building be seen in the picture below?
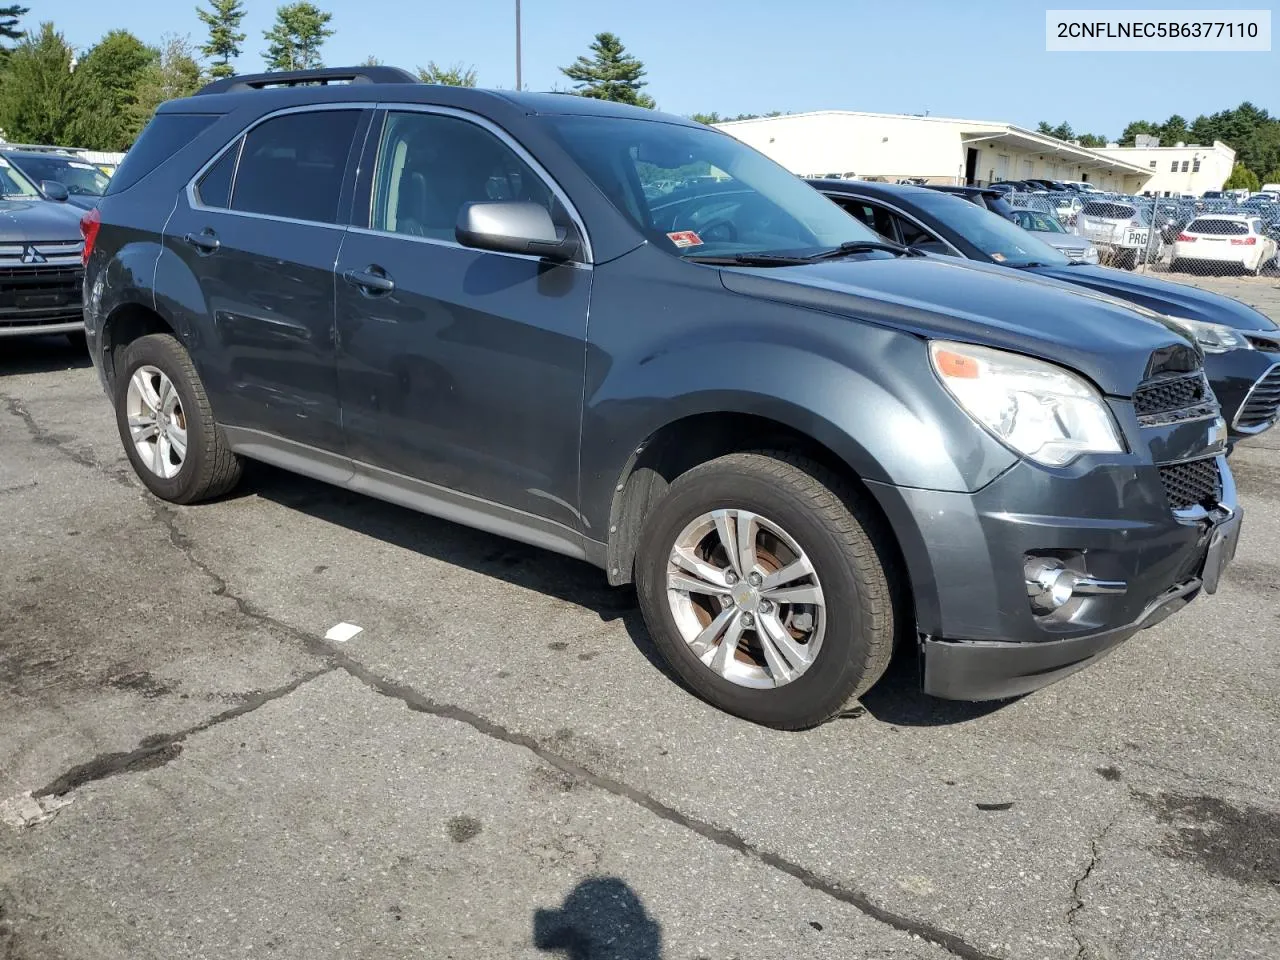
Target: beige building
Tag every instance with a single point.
(1182, 168)
(939, 149)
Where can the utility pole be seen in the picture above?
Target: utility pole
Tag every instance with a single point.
(518, 84)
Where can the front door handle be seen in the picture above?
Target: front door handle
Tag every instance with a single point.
(205, 242)
(372, 281)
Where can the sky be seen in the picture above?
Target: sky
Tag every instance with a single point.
(982, 61)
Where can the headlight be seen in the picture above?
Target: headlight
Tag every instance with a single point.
(1091, 255)
(1212, 337)
(1042, 411)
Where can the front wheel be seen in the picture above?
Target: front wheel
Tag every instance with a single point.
(762, 579)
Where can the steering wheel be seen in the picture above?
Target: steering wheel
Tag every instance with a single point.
(722, 230)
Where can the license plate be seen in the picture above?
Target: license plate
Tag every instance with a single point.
(1137, 238)
(1222, 548)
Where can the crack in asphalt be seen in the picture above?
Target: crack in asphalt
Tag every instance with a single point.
(1077, 904)
(46, 438)
(420, 703)
(161, 748)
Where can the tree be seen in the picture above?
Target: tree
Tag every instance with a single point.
(1174, 130)
(1045, 128)
(107, 81)
(1092, 140)
(176, 74)
(9, 17)
(707, 118)
(1272, 177)
(223, 20)
(609, 74)
(295, 40)
(371, 61)
(454, 75)
(1241, 177)
(37, 99)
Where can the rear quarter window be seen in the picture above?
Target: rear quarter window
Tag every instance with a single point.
(1218, 228)
(165, 135)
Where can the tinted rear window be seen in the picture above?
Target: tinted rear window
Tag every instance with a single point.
(1111, 211)
(1218, 228)
(292, 166)
(163, 137)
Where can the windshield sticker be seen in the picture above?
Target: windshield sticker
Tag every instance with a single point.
(999, 257)
(685, 238)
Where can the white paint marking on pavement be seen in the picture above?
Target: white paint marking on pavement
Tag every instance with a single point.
(342, 632)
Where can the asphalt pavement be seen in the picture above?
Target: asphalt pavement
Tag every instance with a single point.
(498, 765)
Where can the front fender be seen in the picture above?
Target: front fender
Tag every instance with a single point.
(865, 392)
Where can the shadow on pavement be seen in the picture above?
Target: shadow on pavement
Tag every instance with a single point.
(897, 699)
(41, 355)
(601, 919)
(538, 570)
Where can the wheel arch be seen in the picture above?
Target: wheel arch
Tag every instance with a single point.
(125, 323)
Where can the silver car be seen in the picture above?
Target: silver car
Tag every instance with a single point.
(1047, 228)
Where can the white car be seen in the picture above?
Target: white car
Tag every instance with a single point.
(1121, 230)
(1224, 238)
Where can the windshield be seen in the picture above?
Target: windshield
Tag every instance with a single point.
(13, 183)
(697, 193)
(1002, 241)
(80, 178)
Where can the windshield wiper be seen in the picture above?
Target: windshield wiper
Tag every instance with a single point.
(750, 260)
(850, 247)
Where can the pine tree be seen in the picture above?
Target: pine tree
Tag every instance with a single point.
(223, 21)
(295, 40)
(37, 99)
(610, 74)
(175, 74)
(9, 17)
(107, 81)
(454, 75)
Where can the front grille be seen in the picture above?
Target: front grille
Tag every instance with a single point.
(39, 294)
(1192, 483)
(1263, 341)
(1170, 399)
(1262, 404)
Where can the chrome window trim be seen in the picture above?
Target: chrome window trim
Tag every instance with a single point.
(193, 198)
(507, 140)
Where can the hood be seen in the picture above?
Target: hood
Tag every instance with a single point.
(976, 303)
(34, 219)
(83, 200)
(1174, 299)
(1064, 241)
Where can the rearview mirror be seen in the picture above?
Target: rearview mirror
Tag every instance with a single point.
(54, 190)
(511, 226)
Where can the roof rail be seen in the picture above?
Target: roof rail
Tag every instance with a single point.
(307, 78)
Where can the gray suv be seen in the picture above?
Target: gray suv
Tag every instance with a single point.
(41, 273)
(631, 339)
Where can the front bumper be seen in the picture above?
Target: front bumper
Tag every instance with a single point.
(966, 553)
(43, 329)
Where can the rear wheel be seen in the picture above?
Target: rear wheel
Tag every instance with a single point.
(762, 578)
(166, 424)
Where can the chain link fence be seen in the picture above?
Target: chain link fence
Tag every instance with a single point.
(1182, 238)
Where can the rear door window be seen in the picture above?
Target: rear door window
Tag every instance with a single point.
(292, 166)
(214, 188)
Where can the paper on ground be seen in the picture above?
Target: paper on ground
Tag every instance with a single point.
(342, 632)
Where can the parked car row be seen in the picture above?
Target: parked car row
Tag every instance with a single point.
(807, 437)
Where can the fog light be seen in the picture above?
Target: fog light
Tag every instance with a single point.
(1049, 584)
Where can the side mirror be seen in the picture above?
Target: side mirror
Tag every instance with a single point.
(53, 190)
(510, 226)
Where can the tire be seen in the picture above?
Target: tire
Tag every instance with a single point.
(848, 548)
(1175, 266)
(209, 468)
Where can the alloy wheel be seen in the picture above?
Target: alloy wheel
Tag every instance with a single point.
(157, 423)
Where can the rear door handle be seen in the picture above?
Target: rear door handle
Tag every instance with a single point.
(205, 242)
(372, 281)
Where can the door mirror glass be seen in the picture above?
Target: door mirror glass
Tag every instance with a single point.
(54, 190)
(514, 226)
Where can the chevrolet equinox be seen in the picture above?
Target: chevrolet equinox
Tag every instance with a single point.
(631, 339)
